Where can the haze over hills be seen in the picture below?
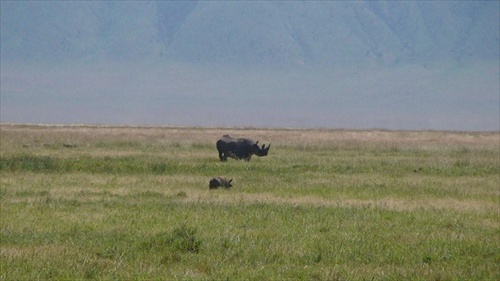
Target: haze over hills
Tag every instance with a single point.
(347, 64)
(250, 32)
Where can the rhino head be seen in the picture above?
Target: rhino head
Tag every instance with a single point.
(261, 151)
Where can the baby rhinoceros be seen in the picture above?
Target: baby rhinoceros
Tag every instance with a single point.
(220, 181)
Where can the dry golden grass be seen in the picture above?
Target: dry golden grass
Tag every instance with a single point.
(40, 135)
(476, 206)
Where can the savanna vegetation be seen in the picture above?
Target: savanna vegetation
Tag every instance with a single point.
(128, 203)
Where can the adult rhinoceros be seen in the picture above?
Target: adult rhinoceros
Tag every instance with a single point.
(239, 148)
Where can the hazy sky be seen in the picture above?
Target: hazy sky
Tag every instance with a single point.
(391, 65)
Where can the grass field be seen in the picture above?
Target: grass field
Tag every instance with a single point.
(128, 203)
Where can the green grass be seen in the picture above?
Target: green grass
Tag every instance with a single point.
(134, 203)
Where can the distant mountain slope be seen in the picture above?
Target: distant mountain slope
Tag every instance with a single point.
(268, 32)
(334, 64)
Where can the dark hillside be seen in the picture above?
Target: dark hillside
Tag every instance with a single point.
(311, 33)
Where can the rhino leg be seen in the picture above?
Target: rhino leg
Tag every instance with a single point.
(222, 156)
(232, 155)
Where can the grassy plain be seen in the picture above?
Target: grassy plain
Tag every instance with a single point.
(125, 203)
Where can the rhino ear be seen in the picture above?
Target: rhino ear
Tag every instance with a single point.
(256, 142)
(263, 146)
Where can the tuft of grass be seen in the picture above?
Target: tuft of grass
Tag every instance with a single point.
(182, 239)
